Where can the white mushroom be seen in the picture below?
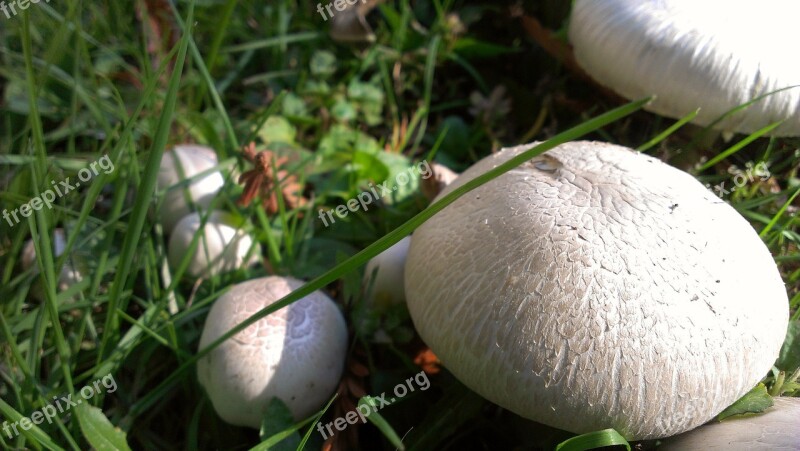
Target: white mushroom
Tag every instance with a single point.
(70, 273)
(442, 176)
(296, 354)
(223, 246)
(778, 428)
(595, 287)
(177, 165)
(388, 267)
(712, 54)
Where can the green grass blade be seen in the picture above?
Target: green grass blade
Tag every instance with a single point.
(778, 215)
(33, 433)
(738, 146)
(145, 195)
(670, 130)
(592, 440)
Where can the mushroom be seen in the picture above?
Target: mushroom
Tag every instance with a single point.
(388, 268)
(776, 429)
(223, 245)
(695, 54)
(595, 287)
(390, 264)
(296, 354)
(177, 165)
(442, 176)
(70, 273)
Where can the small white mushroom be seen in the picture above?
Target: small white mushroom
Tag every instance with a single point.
(388, 267)
(595, 287)
(177, 165)
(222, 247)
(296, 354)
(442, 176)
(778, 428)
(70, 273)
(713, 54)
(388, 288)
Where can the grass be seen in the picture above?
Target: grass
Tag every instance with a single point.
(130, 79)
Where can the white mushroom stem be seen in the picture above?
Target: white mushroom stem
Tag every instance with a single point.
(296, 354)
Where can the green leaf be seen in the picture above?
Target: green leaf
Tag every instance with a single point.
(789, 358)
(755, 401)
(592, 440)
(278, 418)
(343, 111)
(98, 430)
(323, 63)
(293, 106)
(277, 130)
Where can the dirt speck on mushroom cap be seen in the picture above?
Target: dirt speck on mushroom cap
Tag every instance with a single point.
(596, 287)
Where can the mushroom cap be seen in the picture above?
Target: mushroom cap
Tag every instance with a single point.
(296, 354)
(188, 160)
(778, 428)
(388, 288)
(223, 247)
(595, 287)
(713, 54)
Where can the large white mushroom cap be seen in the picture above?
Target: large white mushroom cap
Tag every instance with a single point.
(179, 164)
(708, 54)
(595, 287)
(223, 246)
(777, 429)
(295, 354)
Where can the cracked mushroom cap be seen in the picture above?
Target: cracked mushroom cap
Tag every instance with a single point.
(296, 354)
(595, 287)
(712, 54)
(776, 429)
(179, 164)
